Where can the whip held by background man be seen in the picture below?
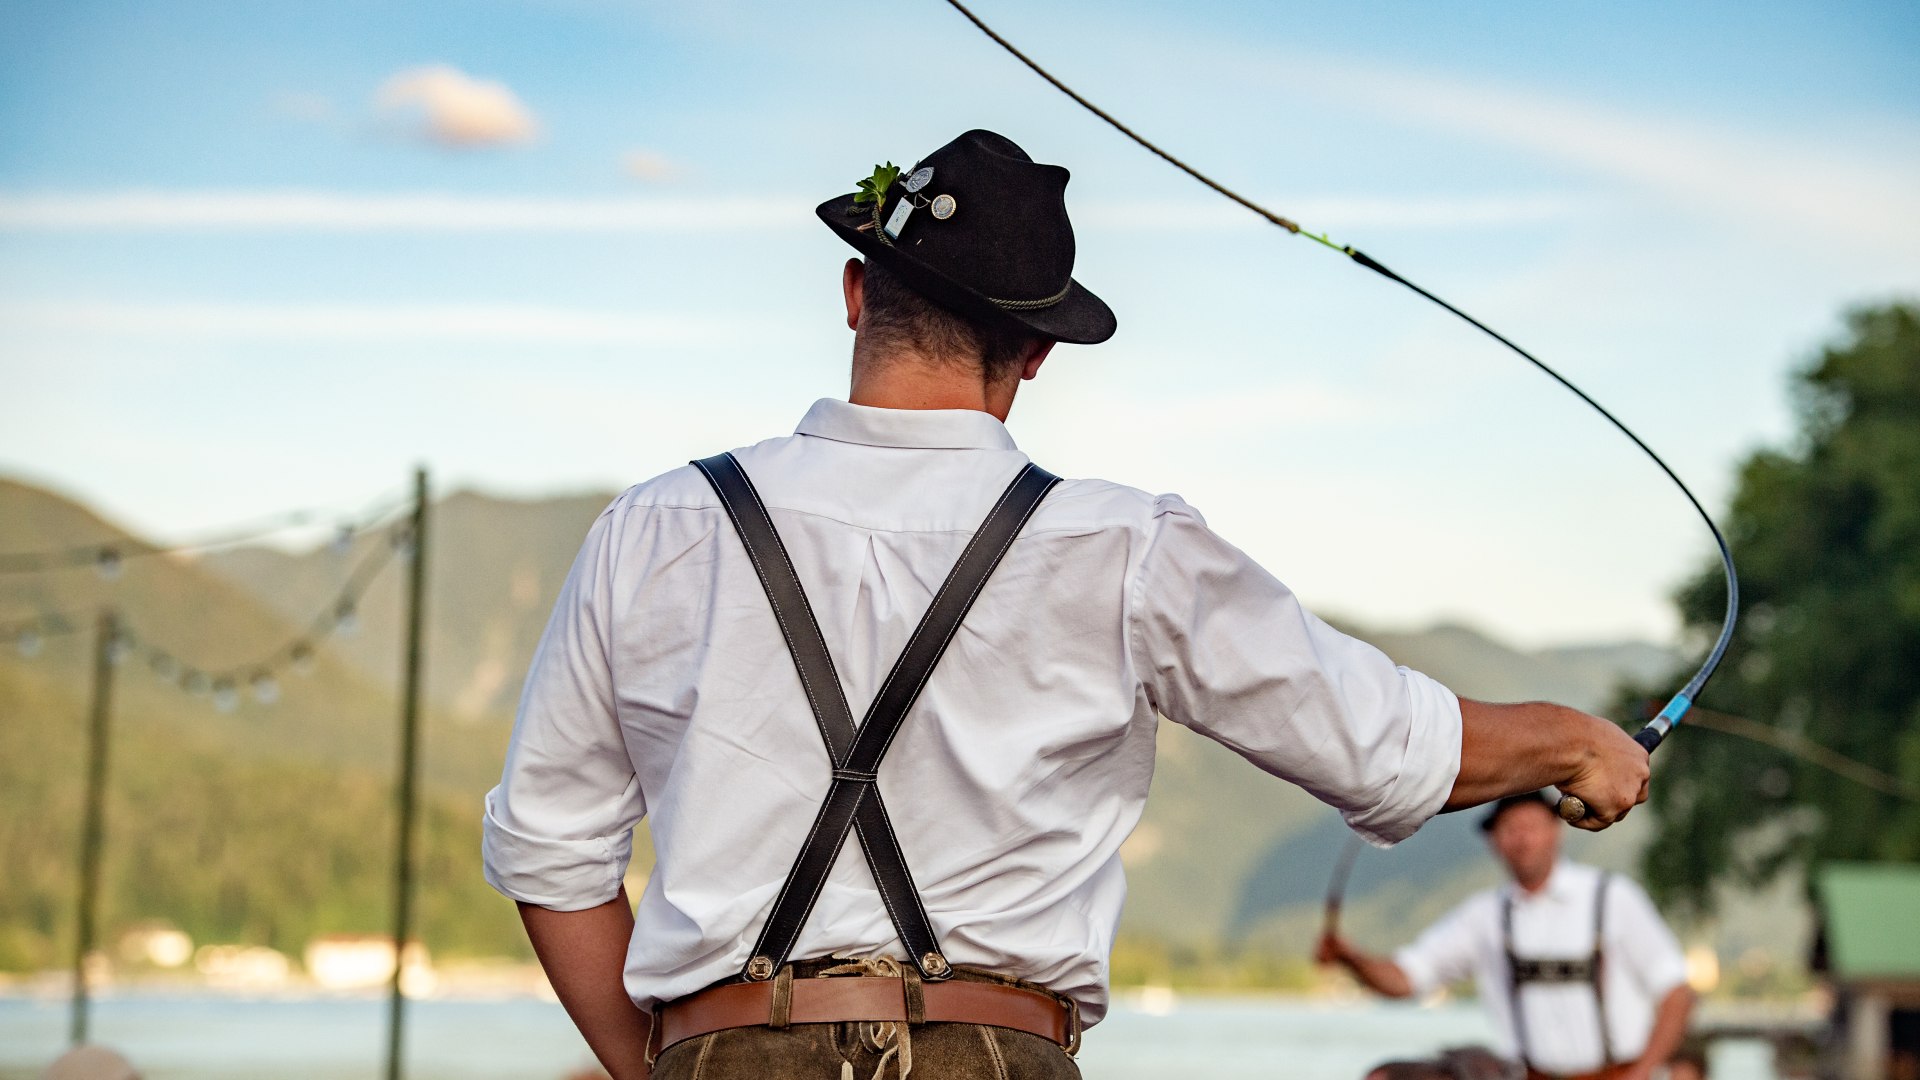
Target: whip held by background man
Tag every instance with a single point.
(940, 882)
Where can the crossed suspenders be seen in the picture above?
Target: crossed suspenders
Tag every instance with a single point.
(1580, 969)
(853, 800)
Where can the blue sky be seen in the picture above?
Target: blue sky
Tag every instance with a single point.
(263, 256)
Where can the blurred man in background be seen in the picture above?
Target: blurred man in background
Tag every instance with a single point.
(1579, 975)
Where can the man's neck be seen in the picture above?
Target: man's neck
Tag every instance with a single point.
(913, 382)
(1538, 885)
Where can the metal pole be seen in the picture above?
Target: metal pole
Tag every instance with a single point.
(93, 827)
(409, 754)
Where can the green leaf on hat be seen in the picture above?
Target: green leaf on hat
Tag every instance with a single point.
(874, 188)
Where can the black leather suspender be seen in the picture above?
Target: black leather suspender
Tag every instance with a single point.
(1581, 969)
(853, 799)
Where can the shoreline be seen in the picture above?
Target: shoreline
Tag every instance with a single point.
(55, 988)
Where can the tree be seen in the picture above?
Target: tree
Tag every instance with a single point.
(1827, 538)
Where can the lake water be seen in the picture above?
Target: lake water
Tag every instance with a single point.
(203, 1037)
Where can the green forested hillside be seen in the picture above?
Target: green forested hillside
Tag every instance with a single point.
(254, 848)
(496, 566)
(269, 824)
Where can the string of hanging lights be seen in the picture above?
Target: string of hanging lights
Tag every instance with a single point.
(109, 558)
(261, 678)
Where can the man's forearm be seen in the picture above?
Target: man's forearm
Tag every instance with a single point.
(1507, 749)
(584, 954)
(1510, 749)
(1669, 1027)
(1377, 973)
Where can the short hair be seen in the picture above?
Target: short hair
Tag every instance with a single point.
(893, 316)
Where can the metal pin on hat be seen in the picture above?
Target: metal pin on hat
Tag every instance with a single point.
(898, 219)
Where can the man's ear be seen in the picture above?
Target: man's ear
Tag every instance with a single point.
(853, 283)
(1035, 358)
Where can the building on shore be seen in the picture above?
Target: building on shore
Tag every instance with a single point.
(364, 961)
(242, 967)
(1868, 948)
(155, 943)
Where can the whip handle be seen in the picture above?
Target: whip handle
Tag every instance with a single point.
(1572, 808)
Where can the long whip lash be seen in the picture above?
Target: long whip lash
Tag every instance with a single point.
(1571, 807)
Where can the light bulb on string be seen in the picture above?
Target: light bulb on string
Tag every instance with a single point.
(118, 648)
(266, 689)
(226, 697)
(300, 658)
(196, 683)
(346, 621)
(29, 643)
(165, 667)
(108, 564)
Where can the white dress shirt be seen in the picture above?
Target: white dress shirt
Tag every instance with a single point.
(1642, 964)
(662, 688)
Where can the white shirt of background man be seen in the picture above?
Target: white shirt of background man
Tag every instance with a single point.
(662, 688)
(1642, 964)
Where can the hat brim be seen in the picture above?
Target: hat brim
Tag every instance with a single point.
(1080, 318)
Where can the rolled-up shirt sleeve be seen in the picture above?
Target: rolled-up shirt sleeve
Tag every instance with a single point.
(558, 830)
(1227, 650)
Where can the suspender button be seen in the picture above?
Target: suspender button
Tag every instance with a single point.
(760, 969)
(935, 966)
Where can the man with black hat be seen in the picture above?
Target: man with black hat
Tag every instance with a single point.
(1011, 638)
(1578, 973)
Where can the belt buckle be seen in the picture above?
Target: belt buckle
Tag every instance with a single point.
(1073, 1026)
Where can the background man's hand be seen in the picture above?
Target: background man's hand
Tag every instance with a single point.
(1612, 775)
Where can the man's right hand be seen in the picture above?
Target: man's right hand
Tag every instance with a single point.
(1511, 749)
(1612, 774)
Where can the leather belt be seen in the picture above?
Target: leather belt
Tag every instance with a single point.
(826, 1001)
(1611, 1072)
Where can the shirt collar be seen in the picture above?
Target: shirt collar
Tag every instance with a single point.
(1565, 882)
(926, 429)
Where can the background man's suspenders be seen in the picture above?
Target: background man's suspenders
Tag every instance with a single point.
(853, 800)
(1585, 969)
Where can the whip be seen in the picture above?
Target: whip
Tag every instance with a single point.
(1571, 807)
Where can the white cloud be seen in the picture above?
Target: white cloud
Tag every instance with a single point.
(456, 109)
(1818, 192)
(1336, 212)
(436, 212)
(358, 322)
(651, 167)
(424, 212)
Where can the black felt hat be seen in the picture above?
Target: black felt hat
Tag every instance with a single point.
(1511, 801)
(979, 227)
